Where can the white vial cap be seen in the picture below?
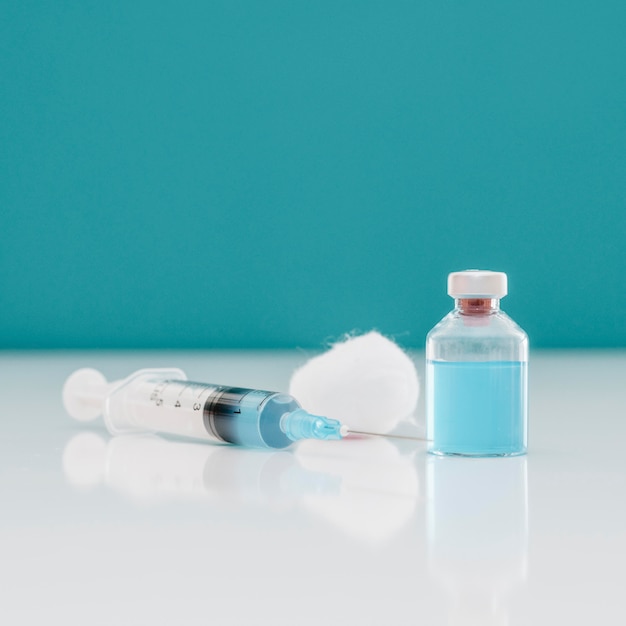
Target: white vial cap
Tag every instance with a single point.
(477, 284)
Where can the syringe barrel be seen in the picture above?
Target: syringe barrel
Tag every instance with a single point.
(149, 402)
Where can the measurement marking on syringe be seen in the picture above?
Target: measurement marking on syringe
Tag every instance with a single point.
(157, 393)
(177, 404)
(183, 389)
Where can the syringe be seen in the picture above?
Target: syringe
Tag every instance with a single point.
(164, 401)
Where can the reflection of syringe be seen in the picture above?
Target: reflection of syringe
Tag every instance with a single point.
(341, 484)
(163, 400)
(148, 468)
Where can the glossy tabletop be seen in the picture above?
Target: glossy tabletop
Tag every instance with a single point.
(142, 530)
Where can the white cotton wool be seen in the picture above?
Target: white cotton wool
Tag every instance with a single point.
(367, 382)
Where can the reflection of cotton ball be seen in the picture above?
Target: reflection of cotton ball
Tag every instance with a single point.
(84, 458)
(378, 486)
(367, 382)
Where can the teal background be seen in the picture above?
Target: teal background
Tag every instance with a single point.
(273, 174)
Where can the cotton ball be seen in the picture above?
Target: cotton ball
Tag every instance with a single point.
(366, 382)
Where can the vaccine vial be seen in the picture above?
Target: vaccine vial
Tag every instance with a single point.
(477, 372)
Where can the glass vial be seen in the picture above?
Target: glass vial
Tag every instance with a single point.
(477, 372)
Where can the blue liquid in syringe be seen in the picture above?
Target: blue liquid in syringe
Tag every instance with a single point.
(477, 408)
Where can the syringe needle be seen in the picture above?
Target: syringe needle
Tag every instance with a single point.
(363, 432)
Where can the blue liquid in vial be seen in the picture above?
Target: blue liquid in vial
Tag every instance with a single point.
(477, 408)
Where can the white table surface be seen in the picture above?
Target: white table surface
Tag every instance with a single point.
(141, 530)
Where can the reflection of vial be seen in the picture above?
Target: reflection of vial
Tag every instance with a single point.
(477, 521)
(476, 364)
